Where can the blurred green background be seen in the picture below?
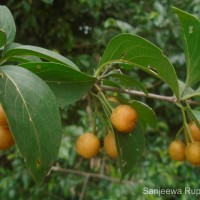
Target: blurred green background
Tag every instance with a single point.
(80, 30)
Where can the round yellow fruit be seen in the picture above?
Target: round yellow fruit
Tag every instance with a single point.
(87, 145)
(6, 138)
(177, 150)
(123, 118)
(193, 153)
(110, 145)
(195, 131)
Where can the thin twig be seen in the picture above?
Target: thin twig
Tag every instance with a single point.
(171, 99)
(138, 93)
(94, 175)
(84, 187)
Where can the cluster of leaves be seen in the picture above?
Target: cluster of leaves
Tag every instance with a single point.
(104, 19)
(42, 81)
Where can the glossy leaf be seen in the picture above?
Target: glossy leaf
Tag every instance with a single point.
(3, 38)
(68, 84)
(7, 24)
(146, 114)
(20, 59)
(136, 51)
(191, 38)
(33, 117)
(131, 148)
(25, 50)
(24, 59)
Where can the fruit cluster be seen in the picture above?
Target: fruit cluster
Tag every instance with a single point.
(123, 119)
(6, 138)
(178, 151)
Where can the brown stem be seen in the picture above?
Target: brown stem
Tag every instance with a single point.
(171, 99)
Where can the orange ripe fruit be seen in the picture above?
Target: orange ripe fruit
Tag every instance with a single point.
(110, 145)
(6, 138)
(177, 150)
(195, 131)
(193, 153)
(123, 118)
(3, 119)
(87, 145)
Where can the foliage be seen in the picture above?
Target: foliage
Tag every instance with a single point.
(59, 76)
(60, 185)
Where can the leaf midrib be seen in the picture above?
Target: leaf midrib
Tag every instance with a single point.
(25, 105)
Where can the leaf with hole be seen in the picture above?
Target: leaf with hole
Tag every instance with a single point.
(33, 117)
(191, 40)
(135, 51)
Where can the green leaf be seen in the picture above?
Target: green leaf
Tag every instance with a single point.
(191, 38)
(187, 92)
(7, 24)
(129, 82)
(131, 148)
(136, 51)
(25, 50)
(68, 84)
(194, 115)
(146, 114)
(24, 59)
(197, 92)
(111, 83)
(20, 59)
(33, 117)
(3, 38)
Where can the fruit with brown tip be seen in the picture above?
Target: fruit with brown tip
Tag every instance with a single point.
(193, 153)
(194, 130)
(6, 138)
(110, 145)
(87, 145)
(177, 150)
(124, 118)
